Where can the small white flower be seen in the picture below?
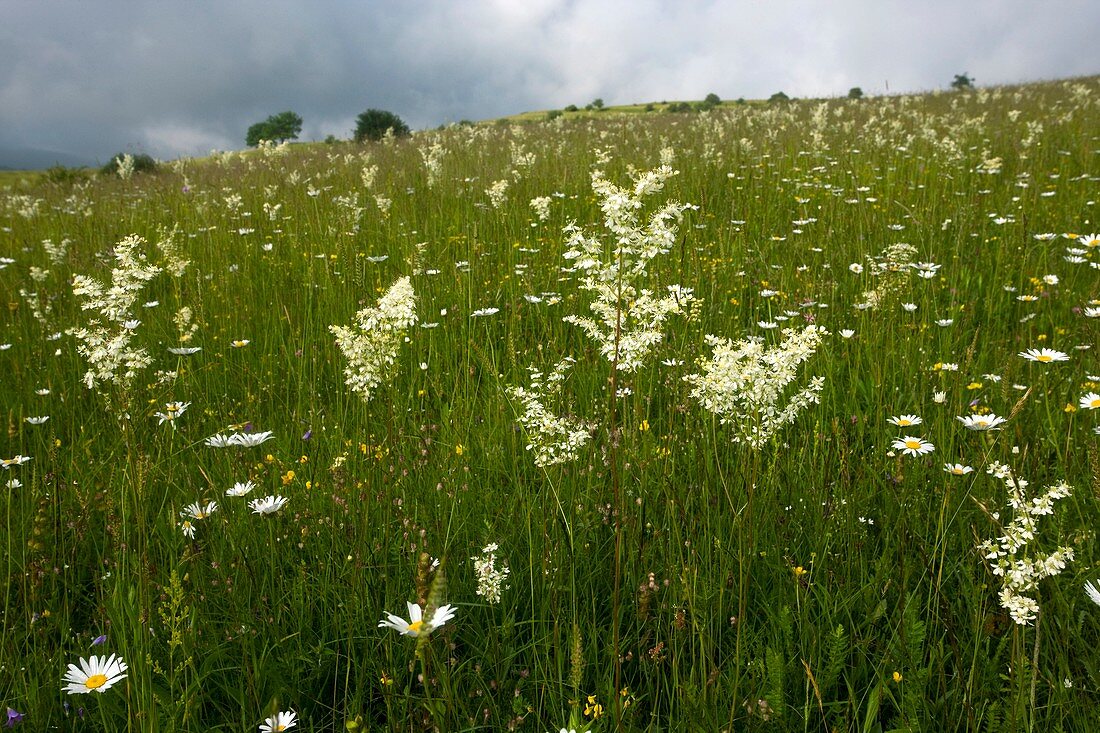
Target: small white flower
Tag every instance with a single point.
(267, 505)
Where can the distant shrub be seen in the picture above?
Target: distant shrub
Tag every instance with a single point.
(572, 108)
(142, 164)
(779, 97)
(331, 140)
(678, 107)
(373, 124)
(62, 176)
(553, 114)
(962, 82)
(855, 93)
(649, 107)
(712, 99)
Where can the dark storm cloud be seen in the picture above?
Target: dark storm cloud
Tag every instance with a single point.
(185, 77)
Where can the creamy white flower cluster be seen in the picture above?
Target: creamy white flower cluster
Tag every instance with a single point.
(553, 439)
(371, 345)
(491, 580)
(744, 382)
(628, 318)
(892, 268)
(1008, 554)
(105, 344)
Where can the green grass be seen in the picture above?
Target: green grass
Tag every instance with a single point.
(818, 583)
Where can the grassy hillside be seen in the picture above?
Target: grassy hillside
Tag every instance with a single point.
(713, 387)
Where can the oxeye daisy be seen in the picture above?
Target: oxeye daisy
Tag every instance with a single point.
(279, 722)
(1092, 590)
(911, 446)
(1091, 401)
(904, 421)
(981, 422)
(247, 440)
(417, 625)
(96, 674)
(18, 460)
(239, 343)
(172, 410)
(1044, 356)
(267, 505)
(198, 511)
(240, 488)
(957, 469)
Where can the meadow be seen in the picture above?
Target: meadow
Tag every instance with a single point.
(769, 418)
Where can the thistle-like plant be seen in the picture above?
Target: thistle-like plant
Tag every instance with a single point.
(372, 343)
(745, 383)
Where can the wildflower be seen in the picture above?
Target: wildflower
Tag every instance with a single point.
(1022, 570)
(198, 511)
(239, 343)
(945, 322)
(372, 344)
(17, 460)
(856, 268)
(279, 722)
(184, 350)
(939, 397)
(94, 674)
(218, 441)
(904, 421)
(267, 505)
(1091, 401)
(743, 383)
(416, 625)
(188, 529)
(1044, 356)
(552, 439)
(909, 307)
(248, 440)
(957, 469)
(1092, 590)
(911, 446)
(172, 410)
(847, 333)
(981, 422)
(628, 319)
(14, 717)
(36, 420)
(484, 312)
(491, 580)
(240, 488)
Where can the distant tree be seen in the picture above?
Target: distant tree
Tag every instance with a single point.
(649, 107)
(713, 99)
(372, 125)
(276, 128)
(678, 107)
(597, 103)
(572, 108)
(855, 93)
(779, 97)
(962, 81)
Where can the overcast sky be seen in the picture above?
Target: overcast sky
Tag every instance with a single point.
(95, 77)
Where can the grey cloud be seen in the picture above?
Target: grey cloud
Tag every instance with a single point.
(180, 78)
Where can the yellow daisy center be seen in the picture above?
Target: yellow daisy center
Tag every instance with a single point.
(912, 444)
(416, 626)
(1094, 404)
(903, 422)
(95, 681)
(1044, 358)
(957, 471)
